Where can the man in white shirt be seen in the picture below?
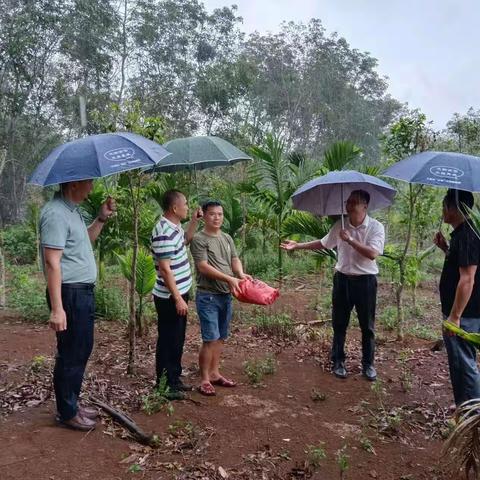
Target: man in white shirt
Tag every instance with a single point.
(354, 282)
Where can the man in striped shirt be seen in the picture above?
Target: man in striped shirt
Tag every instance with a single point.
(174, 279)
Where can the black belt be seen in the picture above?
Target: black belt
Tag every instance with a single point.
(79, 286)
(354, 277)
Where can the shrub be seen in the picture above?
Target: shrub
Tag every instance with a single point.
(26, 294)
(110, 304)
(276, 325)
(19, 244)
(257, 369)
(388, 318)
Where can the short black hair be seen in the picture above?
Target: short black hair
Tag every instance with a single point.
(459, 199)
(362, 194)
(211, 203)
(169, 198)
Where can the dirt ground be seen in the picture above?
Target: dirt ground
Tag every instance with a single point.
(280, 429)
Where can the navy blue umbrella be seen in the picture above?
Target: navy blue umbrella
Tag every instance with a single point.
(439, 169)
(325, 195)
(97, 156)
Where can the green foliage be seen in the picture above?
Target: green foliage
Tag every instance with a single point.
(26, 294)
(423, 331)
(146, 274)
(20, 245)
(340, 154)
(343, 460)
(158, 399)
(110, 304)
(38, 362)
(255, 370)
(315, 455)
(388, 318)
(276, 325)
(367, 445)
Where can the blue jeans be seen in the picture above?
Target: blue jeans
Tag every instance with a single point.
(74, 346)
(215, 312)
(462, 362)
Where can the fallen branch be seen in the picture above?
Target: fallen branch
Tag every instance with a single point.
(127, 422)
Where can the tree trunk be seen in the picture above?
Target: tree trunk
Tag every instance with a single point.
(132, 317)
(3, 277)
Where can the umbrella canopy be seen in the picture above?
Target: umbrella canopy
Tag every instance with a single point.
(325, 195)
(439, 169)
(197, 153)
(97, 156)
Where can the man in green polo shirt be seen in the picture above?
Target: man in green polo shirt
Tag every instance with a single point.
(219, 272)
(70, 271)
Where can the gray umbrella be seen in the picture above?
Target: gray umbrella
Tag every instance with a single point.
(197, 153)
(325, 195)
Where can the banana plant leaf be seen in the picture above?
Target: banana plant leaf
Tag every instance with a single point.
(473, 338)
(146, 274)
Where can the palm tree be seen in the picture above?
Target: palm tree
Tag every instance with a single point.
(274, 178)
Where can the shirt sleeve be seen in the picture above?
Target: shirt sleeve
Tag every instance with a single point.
(164, 247)
(54, 230)
(330, 240)
(376, 239)
(468, 249)
(198, 249)
(232, 247)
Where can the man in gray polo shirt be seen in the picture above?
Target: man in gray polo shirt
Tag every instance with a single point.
(70, 270)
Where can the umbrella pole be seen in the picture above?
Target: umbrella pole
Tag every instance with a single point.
(341, 205)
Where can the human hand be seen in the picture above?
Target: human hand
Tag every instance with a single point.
(107, 209)
(440, 241)
(181, 306)
(234, 284)
(289, 245)
(197, 215)
(246, 276)
(58, 320)
(345, 236)
(455, 321)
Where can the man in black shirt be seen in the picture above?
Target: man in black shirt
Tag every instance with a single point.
(460, 293)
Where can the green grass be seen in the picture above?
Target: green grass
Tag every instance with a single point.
(274, 325)
(256, 369)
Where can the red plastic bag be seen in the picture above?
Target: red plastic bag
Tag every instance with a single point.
(257, 292)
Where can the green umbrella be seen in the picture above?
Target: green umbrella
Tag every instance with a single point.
(197, 153)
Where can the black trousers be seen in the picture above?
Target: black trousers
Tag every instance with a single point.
(171, 337)
(360, 292)
(74, 346)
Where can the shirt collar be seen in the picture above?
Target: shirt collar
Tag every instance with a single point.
(72, 206)
(173, 225)
(364, 224)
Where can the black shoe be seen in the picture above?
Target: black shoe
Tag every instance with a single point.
(175, 395)
(339, 370)
(369, 373)
(182, 387)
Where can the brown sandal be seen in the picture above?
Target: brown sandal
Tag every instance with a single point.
(206, 389)
(223, 382)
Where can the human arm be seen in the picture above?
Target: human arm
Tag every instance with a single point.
(53, 272)
(237, 269)
(463, 292)
(169, 279)
(211, 272)
(293, 245)
(440, 241)
(365, 250)
(107, 209)
(192, 226)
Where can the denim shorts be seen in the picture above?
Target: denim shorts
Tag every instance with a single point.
(215, 312)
